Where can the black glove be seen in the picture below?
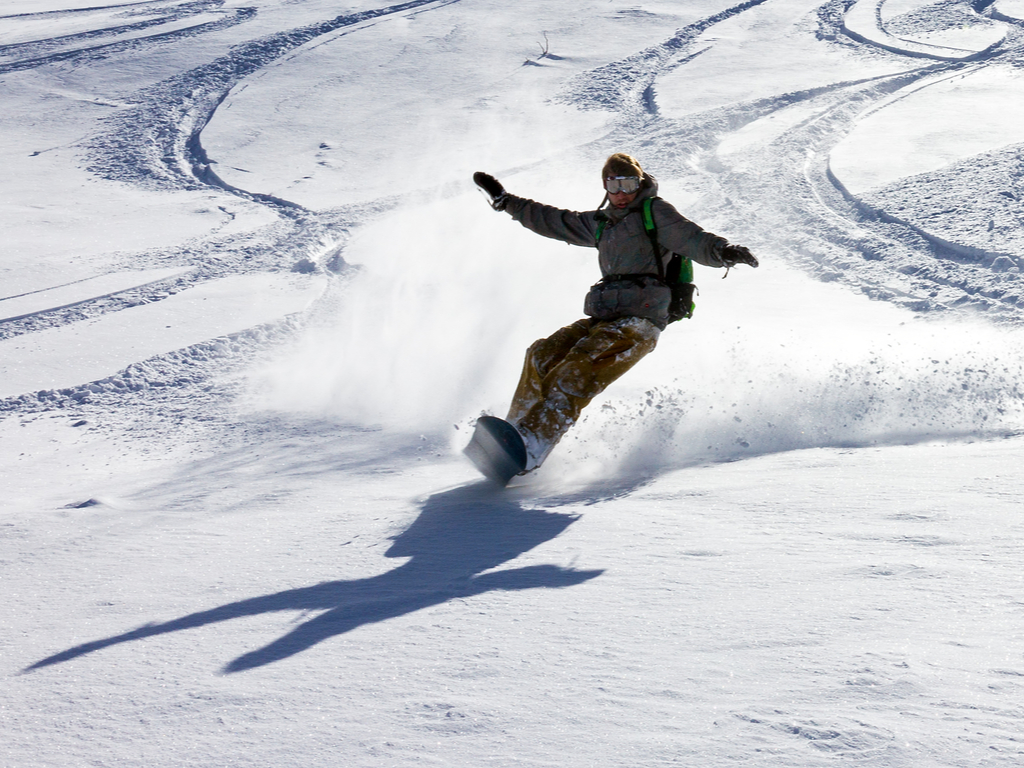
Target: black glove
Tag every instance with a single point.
(493, 188)
(737, 254)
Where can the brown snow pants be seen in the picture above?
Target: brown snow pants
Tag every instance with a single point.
(564, 372)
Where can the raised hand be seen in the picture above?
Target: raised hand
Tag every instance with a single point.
(493, 188)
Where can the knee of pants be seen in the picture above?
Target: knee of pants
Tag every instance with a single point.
(533, 352)
(576, 381)
(587, 373)
(544, 354)
(536, 359)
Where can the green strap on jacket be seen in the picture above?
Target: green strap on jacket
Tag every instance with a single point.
(685, 264)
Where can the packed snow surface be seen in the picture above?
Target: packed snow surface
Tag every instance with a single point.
(251, 304)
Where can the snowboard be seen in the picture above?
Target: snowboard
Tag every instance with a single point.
(497, 449)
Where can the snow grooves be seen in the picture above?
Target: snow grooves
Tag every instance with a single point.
(627, 86)
(165, 377)
(97, 43)
(156, 144)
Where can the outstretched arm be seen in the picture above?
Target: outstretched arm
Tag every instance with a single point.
(557, 223)
(680, 235)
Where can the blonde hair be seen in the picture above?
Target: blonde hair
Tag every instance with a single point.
(621, 164)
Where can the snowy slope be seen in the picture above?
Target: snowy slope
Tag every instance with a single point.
(250, 305)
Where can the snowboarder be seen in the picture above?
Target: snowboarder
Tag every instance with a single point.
(644, 250)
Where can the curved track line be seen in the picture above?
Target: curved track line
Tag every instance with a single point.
(910, 48)
(156, 144)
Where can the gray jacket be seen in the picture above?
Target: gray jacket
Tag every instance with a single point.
(625, 247)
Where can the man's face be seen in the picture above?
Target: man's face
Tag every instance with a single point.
(622, 199)
(622, 190)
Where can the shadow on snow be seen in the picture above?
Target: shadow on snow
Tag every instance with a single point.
(458, 535)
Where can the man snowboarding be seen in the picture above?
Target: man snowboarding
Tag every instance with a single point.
(645, 248)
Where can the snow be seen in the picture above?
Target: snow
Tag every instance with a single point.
(34, 27)
(924, 130)
(1013, 9)
(250, 305)
(770, 52)
(61, 296)
(99, 347)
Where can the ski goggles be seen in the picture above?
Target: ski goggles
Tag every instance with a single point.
(627, 184)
